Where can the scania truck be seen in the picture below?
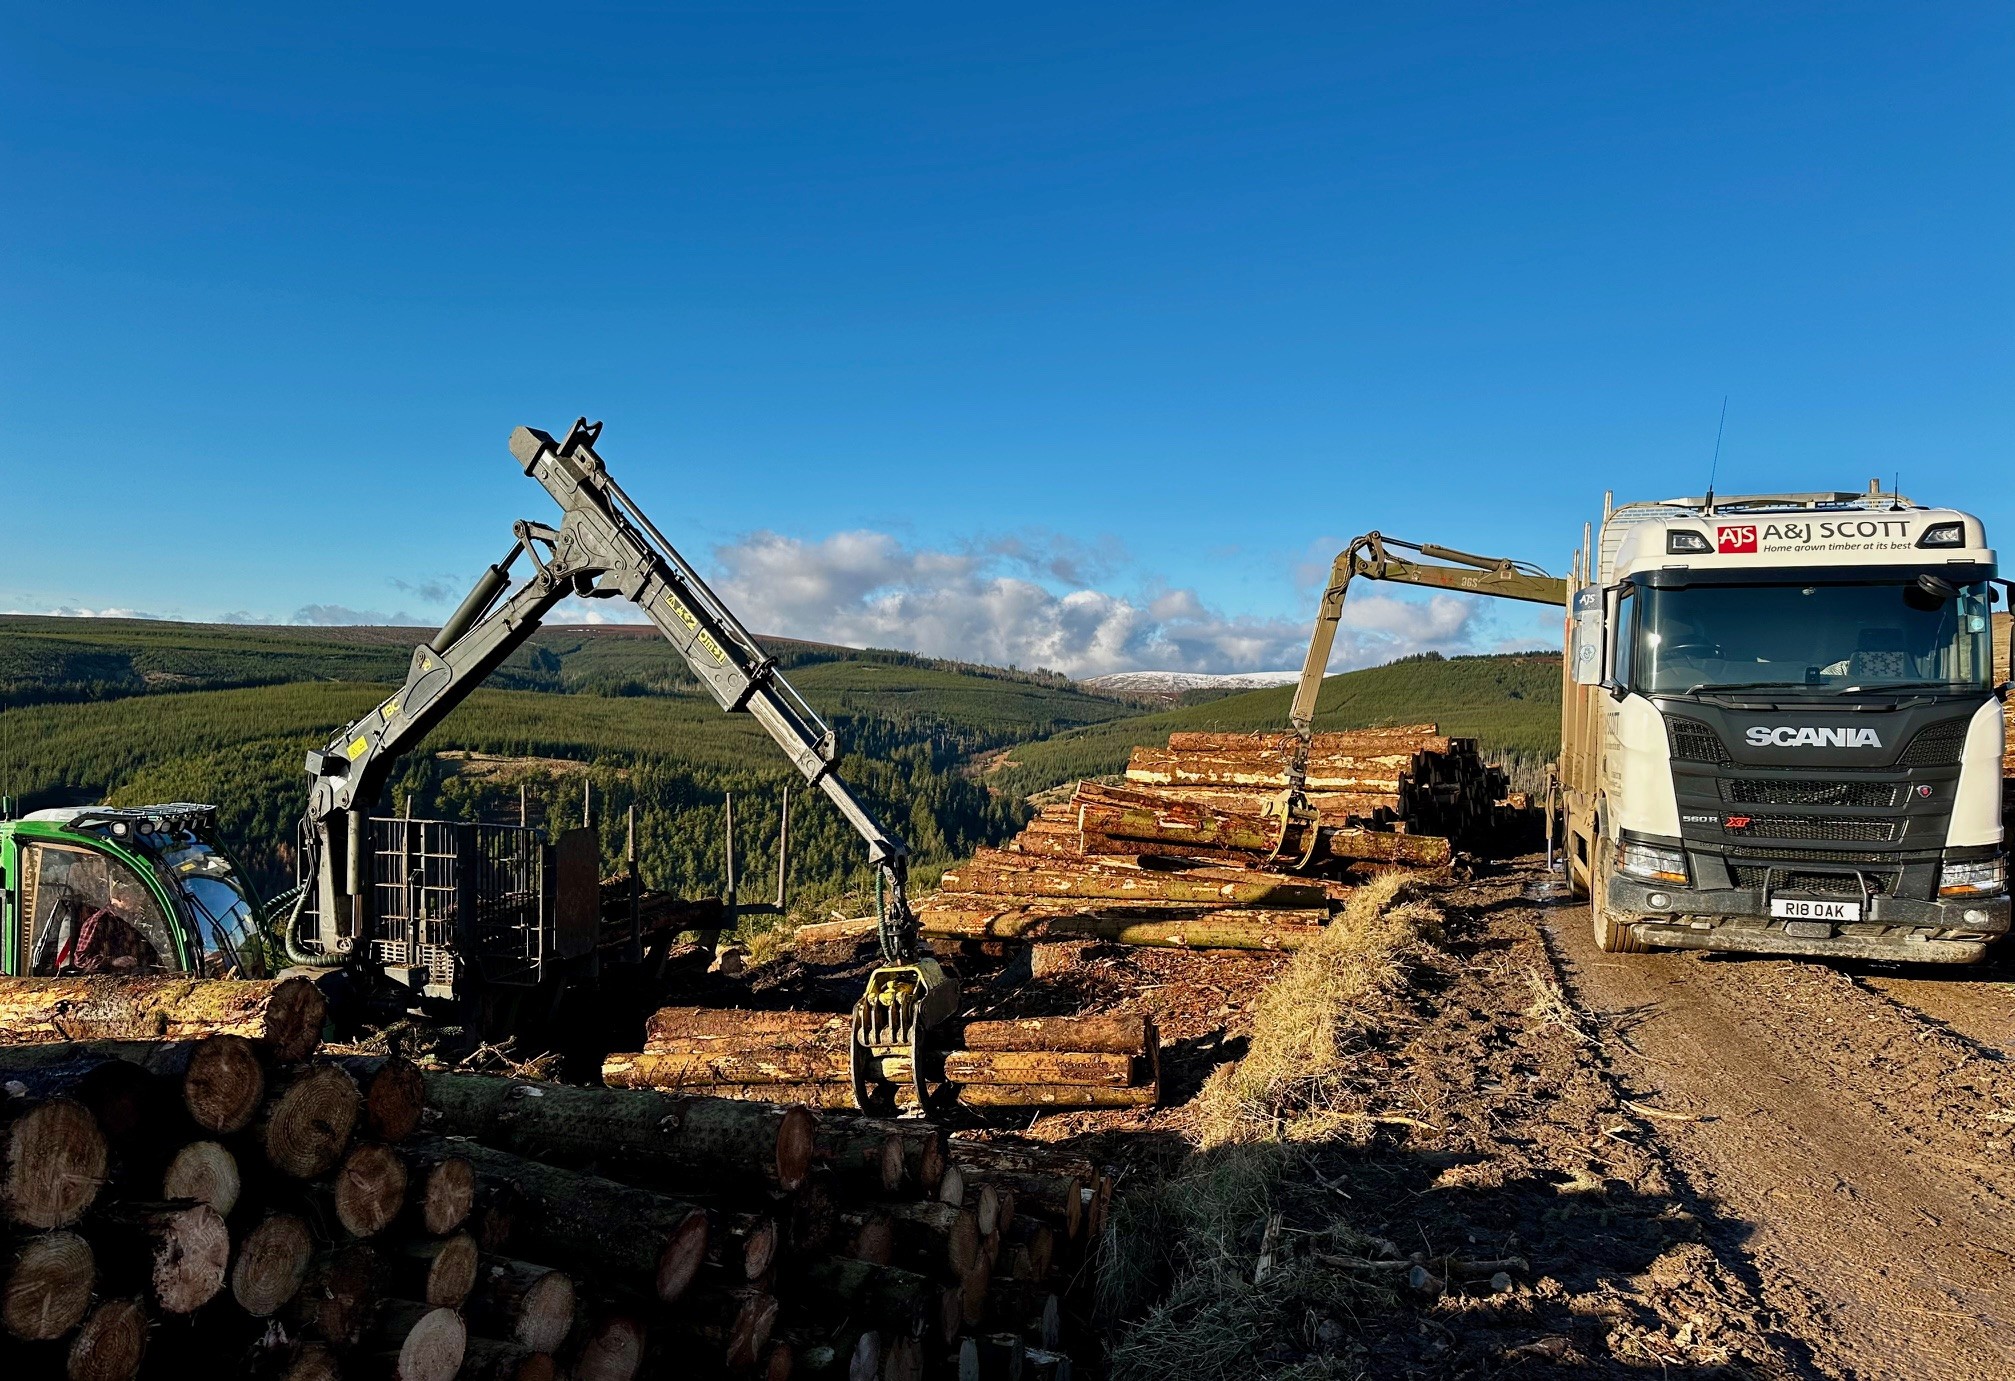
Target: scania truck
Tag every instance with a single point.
(1781, 731)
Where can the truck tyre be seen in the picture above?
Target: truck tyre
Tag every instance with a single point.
(1612, 931)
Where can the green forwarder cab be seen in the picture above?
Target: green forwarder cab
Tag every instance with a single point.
(125, 890)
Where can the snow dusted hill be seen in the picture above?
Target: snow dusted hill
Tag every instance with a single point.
(1173, 682)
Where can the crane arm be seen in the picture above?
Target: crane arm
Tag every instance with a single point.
(604, 548)
(1373, 557)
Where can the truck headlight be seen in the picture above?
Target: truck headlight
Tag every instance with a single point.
(1985, 877)
(1651, 862)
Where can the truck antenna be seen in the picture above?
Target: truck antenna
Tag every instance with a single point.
(1715, 468)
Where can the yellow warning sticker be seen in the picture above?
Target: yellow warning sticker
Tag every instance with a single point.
(358, 747)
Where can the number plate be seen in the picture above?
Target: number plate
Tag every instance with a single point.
(1799, 909)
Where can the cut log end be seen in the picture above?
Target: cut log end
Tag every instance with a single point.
(272, 1262)
(224, 1084)
(313, 1362)
(52, 1163)
(294, 1016)
(613, 1350)
(110, 1345)
(370, 1189)
(309, 1123)
(684, 1252)
(395, 1095)
(442, 1273)
(206, 1172)
(447, 1195)
(797, 1135)
(45, 1286)
(547, 1314)
(433, 1347)
(191, 1252)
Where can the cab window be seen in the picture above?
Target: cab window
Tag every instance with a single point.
(86, 912)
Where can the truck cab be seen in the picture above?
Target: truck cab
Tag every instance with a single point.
(125, 890)
(1782, 731)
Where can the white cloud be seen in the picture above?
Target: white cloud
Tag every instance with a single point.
(869, 589)
(341, 615)
(72, 612)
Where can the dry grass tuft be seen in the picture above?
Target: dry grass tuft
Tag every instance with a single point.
(1311, 1019)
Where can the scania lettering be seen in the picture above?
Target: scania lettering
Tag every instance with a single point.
(1784, 736)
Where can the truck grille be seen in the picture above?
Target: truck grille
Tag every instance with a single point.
(1937, 745)
(1820, 884)
(1817, 827)
(1693, 741)
(1748, 792)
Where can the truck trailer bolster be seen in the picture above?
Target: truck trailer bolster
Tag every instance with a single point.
(1956, 931)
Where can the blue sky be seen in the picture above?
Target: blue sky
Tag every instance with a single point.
(1071, 335)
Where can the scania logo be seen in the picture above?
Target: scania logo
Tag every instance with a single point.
(1784, 736)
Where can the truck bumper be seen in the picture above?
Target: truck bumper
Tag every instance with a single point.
(1736, 920)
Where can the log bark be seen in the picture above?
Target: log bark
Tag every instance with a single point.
(937, 1235)
(950, 917)
(867, 1156)
(1058, 1197)
(310, 1113)
(206, 1172)
(111, 1344)
(1117, 1035)
(440, 1271)
(577, 1219)
(45, 1286)
(678, 1028)
(640, 1128)
(440, 1191)
(179, 1250)
(1092, 1069)
(903, 1303)
(335, 1301)
(923, 1145)
(395, 1096)
(828, 932)
(410, 1341)
(284, 1015)
(271, 1265)
(691, 1069)
(994, 873)
(489, 1359)
(528, 1304)
(370, 1189)
(52, 1160)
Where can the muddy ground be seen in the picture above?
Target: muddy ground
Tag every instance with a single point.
(1703, 1165)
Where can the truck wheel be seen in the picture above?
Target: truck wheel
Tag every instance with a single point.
(1612, 932)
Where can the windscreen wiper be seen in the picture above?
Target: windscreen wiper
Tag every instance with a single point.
(1901, 686)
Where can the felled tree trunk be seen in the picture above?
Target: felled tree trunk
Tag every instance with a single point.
(681, 1028)
(284, 1015)
(440, 1190)
(335, 1301)
(606, 1348)
(1117, 1035)
(206, 1172)
(409, 1341)
(728, 1328)
(219, 1080)
(488, 1359)
(1092, 1069)
(438, 1271)
(644, 1129)
(903, 1303)
(759, 1064)
(950, 916)
(394, 1093)
(583, 1219)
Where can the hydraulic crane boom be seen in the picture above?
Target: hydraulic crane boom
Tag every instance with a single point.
(604, 547)
(1372, 557)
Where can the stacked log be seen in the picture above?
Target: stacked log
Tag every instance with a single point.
(1082, 1062)
(174, 1208)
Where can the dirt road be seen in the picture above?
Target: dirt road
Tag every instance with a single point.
(1856, 1133)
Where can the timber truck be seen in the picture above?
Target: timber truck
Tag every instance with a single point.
(493, 920)
(1780, 730)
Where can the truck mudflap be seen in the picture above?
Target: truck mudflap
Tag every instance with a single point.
(1734, 920)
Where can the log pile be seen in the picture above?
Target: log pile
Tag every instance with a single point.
(203, 1206)
(1186, 855)
(803, 1057)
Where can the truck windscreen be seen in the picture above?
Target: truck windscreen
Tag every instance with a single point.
(1922, 635)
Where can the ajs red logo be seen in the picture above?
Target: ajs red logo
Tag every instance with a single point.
(1734, 541)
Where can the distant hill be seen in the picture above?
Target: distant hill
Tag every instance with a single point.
(135, 710)
(1510, 703)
